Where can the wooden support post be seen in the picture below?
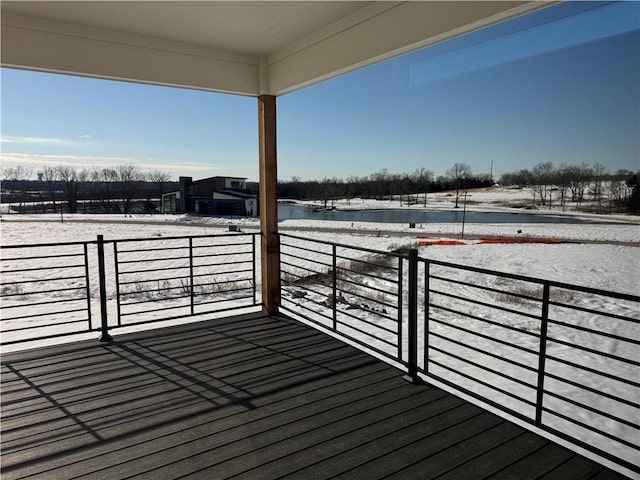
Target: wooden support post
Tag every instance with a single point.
(270, 244)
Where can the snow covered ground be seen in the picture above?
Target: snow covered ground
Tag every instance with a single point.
(612, 267)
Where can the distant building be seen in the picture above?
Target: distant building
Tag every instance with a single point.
(212, 196)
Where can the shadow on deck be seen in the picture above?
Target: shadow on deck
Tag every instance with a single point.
(250, 397)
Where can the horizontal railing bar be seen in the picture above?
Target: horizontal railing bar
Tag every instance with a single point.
(485, 384)
(353, 339)
(176, 317)
(231, 244)
(154, 310)
(151, 260)
(376, 277)
(42, 280)
(597, 411)
(369, 262)
(58, 244)
(150, 300)
(313, 272)
(591, 428)
(593, 370)
(342, 245)
(482, 367)
(163, 269)
(154, 249)
(484, 352)
(226, 254)
(46, 337)
(329, 265)
(37, 292)
(592, 350)
(595, 312)
(372, 312)
(489, 305)
(48, 302)
(221, 292)
(223, 282)
(566, 286)
(299, 247)
(368, 334)
(306, 287)
(161, 279)
(226, 278)
(487, 337)
(307, 281)
(592, 390)
(369, 287)
(237, 262)
(222, 235)
(363, 320)
(379, 302)
(61, 255)
(48, 325)
(595, 332)
(482, 398)
(485, 288)
(303, 306)
(45, 314)
(234, 299)
(153, 290)
(34, 269)
(480, 319)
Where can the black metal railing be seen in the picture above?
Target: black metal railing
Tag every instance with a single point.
(561, 357)
(51, 290)
(175, 277)
(45, 290)
(355, 291)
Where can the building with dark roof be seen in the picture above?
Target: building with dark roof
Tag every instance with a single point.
(212, 196)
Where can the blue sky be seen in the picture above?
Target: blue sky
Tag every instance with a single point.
(559, 85)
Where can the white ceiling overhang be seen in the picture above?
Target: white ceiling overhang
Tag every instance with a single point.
(241, 47)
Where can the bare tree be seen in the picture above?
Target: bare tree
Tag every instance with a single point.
(14, 183)
(70, 178)
(598, 172)
(542, 181)
(580, 175)
(50, 176)
(422, 177)
(129, 177)
(159, 179)
(459, 174)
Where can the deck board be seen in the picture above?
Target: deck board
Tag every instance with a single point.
(249, 397)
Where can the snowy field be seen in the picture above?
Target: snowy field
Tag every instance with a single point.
(611, 266)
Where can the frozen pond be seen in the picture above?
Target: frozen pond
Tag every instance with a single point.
(297, 212)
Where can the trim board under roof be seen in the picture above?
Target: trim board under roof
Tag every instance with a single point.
(246, 48)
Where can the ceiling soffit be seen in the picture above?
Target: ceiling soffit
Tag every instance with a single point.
(247, 48)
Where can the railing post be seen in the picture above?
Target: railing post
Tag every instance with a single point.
(542, 352)
(104, 324)
(191, 291)
(335, 290)
(400, 309)
(426, 315)
(87, 284)
(412, 367)
(117, 271)
(253, 266)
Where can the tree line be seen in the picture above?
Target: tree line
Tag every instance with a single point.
(384, 184)
(72, 190)
(118, 188)
(619, 190)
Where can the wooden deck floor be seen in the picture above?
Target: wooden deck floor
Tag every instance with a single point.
(250, 397)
